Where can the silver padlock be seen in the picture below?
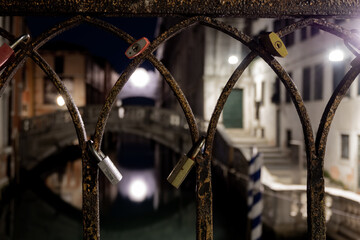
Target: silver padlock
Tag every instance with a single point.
(105, 164)
(183, 167)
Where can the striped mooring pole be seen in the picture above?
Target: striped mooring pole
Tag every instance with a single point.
(255, 204)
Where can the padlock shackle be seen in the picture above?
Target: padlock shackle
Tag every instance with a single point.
(195, 149)
(97, 155)
(24, 38)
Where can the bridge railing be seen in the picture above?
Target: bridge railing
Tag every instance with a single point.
(43, 135)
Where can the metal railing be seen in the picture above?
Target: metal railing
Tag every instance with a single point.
(315, 147)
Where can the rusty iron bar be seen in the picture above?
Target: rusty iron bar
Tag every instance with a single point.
(315, 194)
(10, 71)
(223, 8)
(90, 172)
(287, 81)
(160, 67)
(204, 226)
(315, 158)
(21, 56)
(104, 114)
(330, 110)
(90, 207)
(91, 228)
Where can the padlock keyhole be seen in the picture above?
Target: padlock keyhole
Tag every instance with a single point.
(278, 44)
(136, 47)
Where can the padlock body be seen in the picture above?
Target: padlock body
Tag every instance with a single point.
(274, 45)
(6, 52)
(137, 48)
(180, 171)
(110, 171)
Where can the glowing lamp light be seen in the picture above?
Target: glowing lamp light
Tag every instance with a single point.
(60, 101)
(137, 190)
(233, 60)
(140, 78)
(336, 55)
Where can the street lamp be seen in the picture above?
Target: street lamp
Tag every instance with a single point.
(140, 78)
(233, 60)
(336, 55)
(60, 101)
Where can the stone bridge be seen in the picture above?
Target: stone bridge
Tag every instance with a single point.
(44, 135)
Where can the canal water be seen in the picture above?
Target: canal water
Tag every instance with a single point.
(46, 205)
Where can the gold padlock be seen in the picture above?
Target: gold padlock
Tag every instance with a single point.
(273, 44)
(183, 167)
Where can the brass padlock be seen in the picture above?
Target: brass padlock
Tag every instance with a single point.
(183, 167)
(273, 44)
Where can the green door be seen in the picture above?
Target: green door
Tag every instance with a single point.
(233, 110)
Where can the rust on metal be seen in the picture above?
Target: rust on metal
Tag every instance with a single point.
(215, 8)
(110, 99)
(90, 208)
(315, 151)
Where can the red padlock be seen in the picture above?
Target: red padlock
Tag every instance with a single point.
(137, 47)
(7, 52)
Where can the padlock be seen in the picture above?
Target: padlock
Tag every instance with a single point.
(183, 167)
(273, 44)
(7, 52)
(137, 47)
(105, 164)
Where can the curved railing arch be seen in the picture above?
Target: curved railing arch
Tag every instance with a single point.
(315, 149)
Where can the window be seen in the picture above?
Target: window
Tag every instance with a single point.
(51, 93)
(278, 24)
(289, 39)
(338, 73)
(339, 21)
(304, 33)
(345, 146)
(306, 83)
(59, 64)
(358, 151)
(288, 137)
(314, 31)
(276, 91)
(319, 75)
(262, 92)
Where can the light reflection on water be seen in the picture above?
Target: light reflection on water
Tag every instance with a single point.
(142, 206)
(67, 184)
(138, 185)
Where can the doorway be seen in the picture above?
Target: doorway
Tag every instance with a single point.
(233, 110)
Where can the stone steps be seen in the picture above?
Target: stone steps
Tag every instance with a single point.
(277, 160)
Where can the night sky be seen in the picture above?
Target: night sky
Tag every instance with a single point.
(99, 42)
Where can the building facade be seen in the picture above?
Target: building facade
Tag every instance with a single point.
(10, 110)
(316, 74)
(87, 78)
(259, 105)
